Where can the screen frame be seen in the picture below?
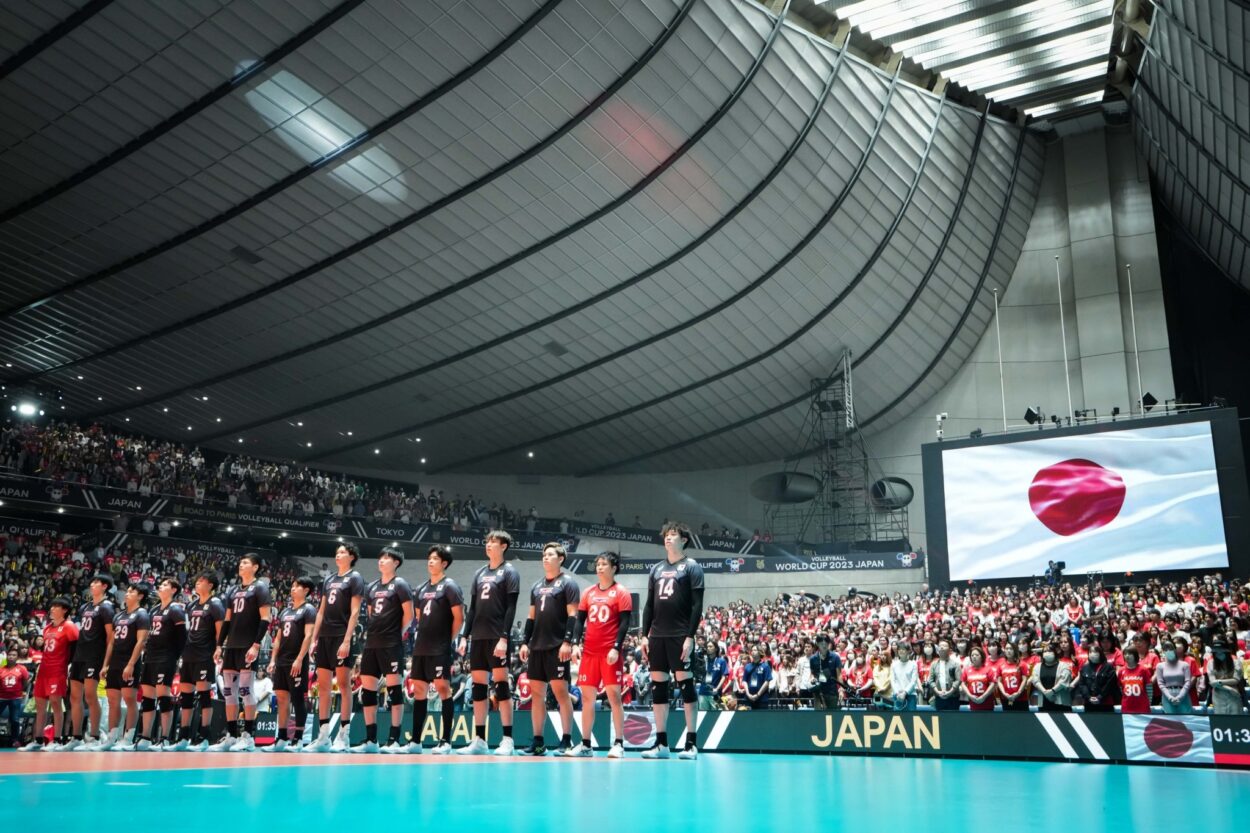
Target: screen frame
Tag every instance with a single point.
(1230, 476)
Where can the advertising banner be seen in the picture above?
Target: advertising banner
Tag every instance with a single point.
(20, 526)
(226, 552)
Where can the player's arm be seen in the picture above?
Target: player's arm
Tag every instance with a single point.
(223, 632)
(304, 647)
(696, 612)
(524, 651)
(409, 615)
(108, 644)
(570, 631)
(509, 614)
(180, 634)
(140, 640)
(274, 647)
(469, 615)
(648, 613)
(352, 621)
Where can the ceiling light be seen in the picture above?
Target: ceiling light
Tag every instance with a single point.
(530, 455)
(349, 433)
(99, 399)
(240, 439)
(219, 419)
(80, 378)
(300, 424)
(204, 398)
(27, 409)
(422, 461)
(229, 529)
(188, 427)
(177, 523)
(128, 419)
(310, 445)
(8, 364)
(138, 387)
(164, 410)
(377, 451)
(282, 535)
(60, 510)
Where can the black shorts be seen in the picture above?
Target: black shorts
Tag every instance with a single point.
(427, 669)
(283, 681)
(86, 669)
(235, 659)
(378, 661)
(158, 670)
(326, 654)
(545, 666)
(482, 654)
(197, 671)
(113, 677)
(664, 654)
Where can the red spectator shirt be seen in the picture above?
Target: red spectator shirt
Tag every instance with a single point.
(13, 681)
(58, 645)
(978, 681)
(1012, 676)
(604, 609)
(1134, 698)
(923, 664)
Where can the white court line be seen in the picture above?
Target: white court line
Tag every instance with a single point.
(49, 781)
(127, 784)
(207, 786)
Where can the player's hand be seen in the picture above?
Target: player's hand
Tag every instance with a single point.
(273, 666)
(461, 644)
(645, 645)
(251, 655)
(128, 673)
(686, 647)
(501, 648)
(523, 653)
(217, 656)
(345, 648)
(296, 670)
(614, 656)
(566, 652)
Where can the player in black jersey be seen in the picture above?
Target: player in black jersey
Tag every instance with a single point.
(91, 657)
(205, 615)
(337, 618)
(492, 607)
(670, 620)
(548, 646)
(440, 613)
(247, 621)
(160, 662)
(389, 607)
(121, 680)
(288, 666)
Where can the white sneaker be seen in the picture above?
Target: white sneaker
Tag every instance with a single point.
(578, 750)
(443, 748)
(124, 746)
(33, 746)
(477, 746)
(226, 744)
(340, 741)
(321, 744)
(617, 751)
(398, 748)
(505, 748)
(245, 743)
(181, 746)
(71, 745)
(276, 746)
(143, 745)
(296, 746)
(656, 752)
(199, 746)
(367, 747)
(688, 754)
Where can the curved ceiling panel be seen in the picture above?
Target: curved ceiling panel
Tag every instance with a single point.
(621, 235)
(1191, 116)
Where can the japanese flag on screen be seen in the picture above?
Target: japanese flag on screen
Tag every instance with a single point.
(1136, 499)
(1170, 738)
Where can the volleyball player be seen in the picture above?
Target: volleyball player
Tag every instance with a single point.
(247, 620)
(205, 615)
(160, 662)
(288, 667)
(440, 613)
(52, 678)
(493, 596)
(548, 646)
(91, 657)
(121, 679)
(389, 608)
(670, 620)
(332, 646)
(604, 616)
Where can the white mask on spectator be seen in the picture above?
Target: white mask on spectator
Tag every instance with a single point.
(1048, 657)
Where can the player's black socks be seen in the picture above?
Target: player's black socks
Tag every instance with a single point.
(448, 717)
(507, 731)
(249, 726)
(566, 740)
(371, 733)
(232, 727)
(661, 739)
(282, 733)
(420, 708)
(393, 737)
(586, 742)
(480, 731)
(618, 742)
(322, 727)
(689, 740)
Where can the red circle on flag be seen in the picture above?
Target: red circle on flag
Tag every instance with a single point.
(1168, 738)
(1076, 495)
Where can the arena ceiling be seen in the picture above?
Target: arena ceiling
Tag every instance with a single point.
(614, 235)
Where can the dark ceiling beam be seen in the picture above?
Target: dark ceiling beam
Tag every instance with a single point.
(32, 50)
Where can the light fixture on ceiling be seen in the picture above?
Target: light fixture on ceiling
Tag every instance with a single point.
(138, 387)
(188, 427)
(164, 410)
(281, 534)
(530, 455)
(229, 529)
(423, 461)
(80, 378)
(240, 439)
(349, 433)
(310, 445)
(377, 451)
(299, 424)
(219, 419)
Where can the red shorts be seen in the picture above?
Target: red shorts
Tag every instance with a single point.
(51, 683)
(596, 669)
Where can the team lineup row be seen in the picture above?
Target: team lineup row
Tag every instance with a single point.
(139, 652)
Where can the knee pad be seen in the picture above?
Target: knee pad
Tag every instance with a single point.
(687, 691)
(395, 695)
(165, 704)
(230, 687)
(186, 700)
(205, 699)
(502, 692)
(147, 704)
(480, 692)
(368, 698)
(246, 693)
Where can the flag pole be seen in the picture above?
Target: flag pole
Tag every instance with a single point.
(1063, 335)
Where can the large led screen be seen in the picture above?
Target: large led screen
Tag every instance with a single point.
(1139, 499)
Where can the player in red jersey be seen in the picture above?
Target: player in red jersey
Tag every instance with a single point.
(604, 616)
(52, 679)
(1134, 696)
(978, 682)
